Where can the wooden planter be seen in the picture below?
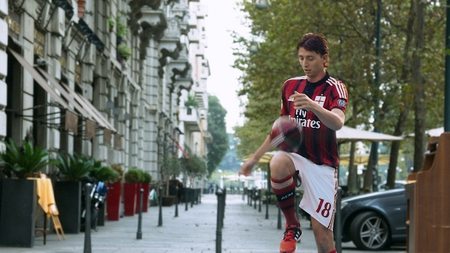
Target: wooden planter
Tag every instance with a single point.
(129, 198)
(113, 201)
(17, 212)
(68, 201)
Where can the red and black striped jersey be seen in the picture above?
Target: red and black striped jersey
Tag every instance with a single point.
(319, 142)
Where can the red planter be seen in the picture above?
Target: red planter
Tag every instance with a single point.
(129, 198)
(113, 201)
(145, 194)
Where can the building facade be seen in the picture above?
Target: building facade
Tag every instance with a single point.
(105, 78)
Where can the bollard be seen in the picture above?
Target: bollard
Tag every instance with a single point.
(191, 196)
(160, 218)
(338, 222)
(220, 215)
(255, 198)
(186, 198)
(176, 202)
(139, 230)
(224, 204)
(267, 204)
(87, 219)
(260, 200)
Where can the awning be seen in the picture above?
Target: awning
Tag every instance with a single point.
(81, 104)
(435, 132)
(347, 133)
(58, 91)
(65, 94)
(40, 80)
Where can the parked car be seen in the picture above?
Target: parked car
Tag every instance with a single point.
(398, 184)
(375, 221)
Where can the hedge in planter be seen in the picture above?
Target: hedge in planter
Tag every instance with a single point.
(144, 182)
(132, 179)
(18, 195)
(113, 195)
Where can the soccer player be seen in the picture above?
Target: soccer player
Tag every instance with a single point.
(317, 102)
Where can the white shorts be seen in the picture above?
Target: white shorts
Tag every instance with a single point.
(320, 189)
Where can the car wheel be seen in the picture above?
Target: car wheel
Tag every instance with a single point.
(370, 231)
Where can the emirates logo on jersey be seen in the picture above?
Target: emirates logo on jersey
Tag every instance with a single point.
(320, 100)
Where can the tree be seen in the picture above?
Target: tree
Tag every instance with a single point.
(216, 126)
(350, 28)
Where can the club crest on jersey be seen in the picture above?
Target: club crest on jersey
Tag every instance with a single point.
(320, 100)
(341, 102)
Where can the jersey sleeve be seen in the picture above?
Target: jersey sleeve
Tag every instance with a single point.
(340, 96)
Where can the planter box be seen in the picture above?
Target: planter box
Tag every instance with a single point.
(17, 212)
(168, 200)
(113, 201)
(68, 201)
(129, 198)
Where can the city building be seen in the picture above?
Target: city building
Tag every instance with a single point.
(109, 79)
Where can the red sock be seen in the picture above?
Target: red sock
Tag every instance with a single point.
(284, 189)
(333, 251)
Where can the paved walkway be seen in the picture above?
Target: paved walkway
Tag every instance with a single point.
(245, 230)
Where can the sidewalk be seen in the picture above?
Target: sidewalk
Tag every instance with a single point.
(245, 230)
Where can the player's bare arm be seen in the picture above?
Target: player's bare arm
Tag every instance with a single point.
(333, 119)
(247, 167)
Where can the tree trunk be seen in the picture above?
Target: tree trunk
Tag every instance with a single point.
(406, 99)
(373, 157)
(419, 86)
(352, 181)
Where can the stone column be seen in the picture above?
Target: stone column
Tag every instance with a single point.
(3, 70)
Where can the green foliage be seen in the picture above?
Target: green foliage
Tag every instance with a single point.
(121, 28)
(194, 166)
(191, 102)
(73, 167)
(350, 28)
(171, 166)
(133, 175)
(118, 168)
(218, 147)
(23, 162)
(104, 173)
(146, 177)
(124, 51)
(111, 23)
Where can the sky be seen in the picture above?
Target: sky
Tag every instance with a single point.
(223, 17)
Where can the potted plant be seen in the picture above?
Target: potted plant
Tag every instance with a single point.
(172, 169)
(17, 194)
(132, 178)
(145, 180)
(113, 195)
(73, 170)
(123, 51)
(190, 103)
(111, 23)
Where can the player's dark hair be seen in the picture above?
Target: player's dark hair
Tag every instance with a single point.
(313, 42)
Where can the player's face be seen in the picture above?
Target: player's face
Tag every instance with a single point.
(313, 64)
